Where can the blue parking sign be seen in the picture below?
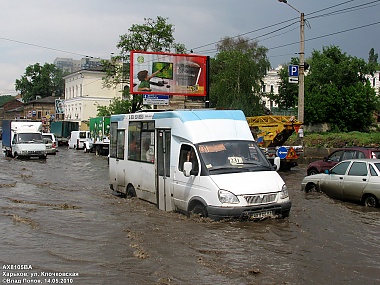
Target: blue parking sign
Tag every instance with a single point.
(293, 70)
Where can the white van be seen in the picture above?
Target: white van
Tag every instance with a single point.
(78, 138)
(195, 161)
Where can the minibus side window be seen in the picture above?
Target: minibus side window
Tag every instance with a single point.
(113, 139)
(120, 144)
(147, 150)
(141, 141)
(134, 140)
(187, 153)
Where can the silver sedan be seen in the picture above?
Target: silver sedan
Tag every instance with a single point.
(356, 180)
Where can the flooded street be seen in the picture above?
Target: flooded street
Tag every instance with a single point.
(60, 223)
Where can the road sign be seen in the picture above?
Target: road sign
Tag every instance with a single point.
(293, 79)
(282, 152)
(293, 70)
(155, 99)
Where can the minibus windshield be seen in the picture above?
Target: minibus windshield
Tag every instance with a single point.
(233, 156)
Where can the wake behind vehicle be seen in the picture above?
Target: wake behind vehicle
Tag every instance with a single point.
(202, 162)
(355, 180)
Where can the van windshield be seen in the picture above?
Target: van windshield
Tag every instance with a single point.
(233, 156)
(29, 138)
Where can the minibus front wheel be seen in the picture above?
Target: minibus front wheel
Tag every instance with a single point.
(199, 210)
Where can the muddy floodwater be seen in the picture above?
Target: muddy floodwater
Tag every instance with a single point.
(61, 224)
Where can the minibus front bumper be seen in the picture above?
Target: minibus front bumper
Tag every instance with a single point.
(250, 212)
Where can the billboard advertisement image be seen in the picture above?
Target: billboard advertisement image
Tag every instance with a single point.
(59, 106)
(170, 74)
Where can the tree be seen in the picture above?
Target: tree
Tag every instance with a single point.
(287, 96)
(236, 73)
(117, 106)
(5, 99)
(155, 35)
(372, 58)
(40, 80)
(337, 91)
(120, 106)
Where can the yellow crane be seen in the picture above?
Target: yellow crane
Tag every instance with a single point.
(271, 132)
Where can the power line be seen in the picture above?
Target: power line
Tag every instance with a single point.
(341, 11)
(209, 51)
(347, 10)
(39, 46)
(331, 34)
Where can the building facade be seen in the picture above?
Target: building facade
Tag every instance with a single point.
(69, 65)
(375, 81)
(271, 85)
(84, 91)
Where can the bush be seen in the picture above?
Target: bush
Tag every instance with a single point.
(332, 139)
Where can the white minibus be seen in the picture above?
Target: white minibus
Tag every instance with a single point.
(203, 162)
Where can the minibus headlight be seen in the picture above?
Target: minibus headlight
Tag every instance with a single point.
(284, 192)
(227, 197)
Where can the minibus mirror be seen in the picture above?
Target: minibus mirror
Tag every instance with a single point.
(277, 163)
(187, 167)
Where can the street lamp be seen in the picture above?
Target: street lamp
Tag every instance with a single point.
(301, 76)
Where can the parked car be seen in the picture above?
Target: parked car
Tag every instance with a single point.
(356, 180)
(51, 137)
(49, 146)
(320, 166)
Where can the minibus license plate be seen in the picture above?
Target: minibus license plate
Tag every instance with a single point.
(261, 215)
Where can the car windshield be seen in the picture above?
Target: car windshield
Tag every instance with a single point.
(30, 137)
(233, 156)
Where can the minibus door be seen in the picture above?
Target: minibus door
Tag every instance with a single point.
(163, 193)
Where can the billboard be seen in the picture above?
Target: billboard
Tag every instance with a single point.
(59, 106)
(168, 74)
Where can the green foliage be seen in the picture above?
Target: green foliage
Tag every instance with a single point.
(5, 99)
(287, 97)
(236, 72)
(337, 92)
(338, 139)
(117, 106)
(154, 35)
(40, 80)
(372, 59)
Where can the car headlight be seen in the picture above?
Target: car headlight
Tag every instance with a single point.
(227, 197)
(284, 192)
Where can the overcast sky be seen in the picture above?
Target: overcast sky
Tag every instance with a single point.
(42, 30)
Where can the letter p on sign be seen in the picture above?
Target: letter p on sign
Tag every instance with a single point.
(293, 70)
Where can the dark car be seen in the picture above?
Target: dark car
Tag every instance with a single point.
(320, 166)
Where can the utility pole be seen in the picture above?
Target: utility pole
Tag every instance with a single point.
(301, 78)
(301, 75)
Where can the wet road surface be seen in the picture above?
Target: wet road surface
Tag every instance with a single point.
(59, 219)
